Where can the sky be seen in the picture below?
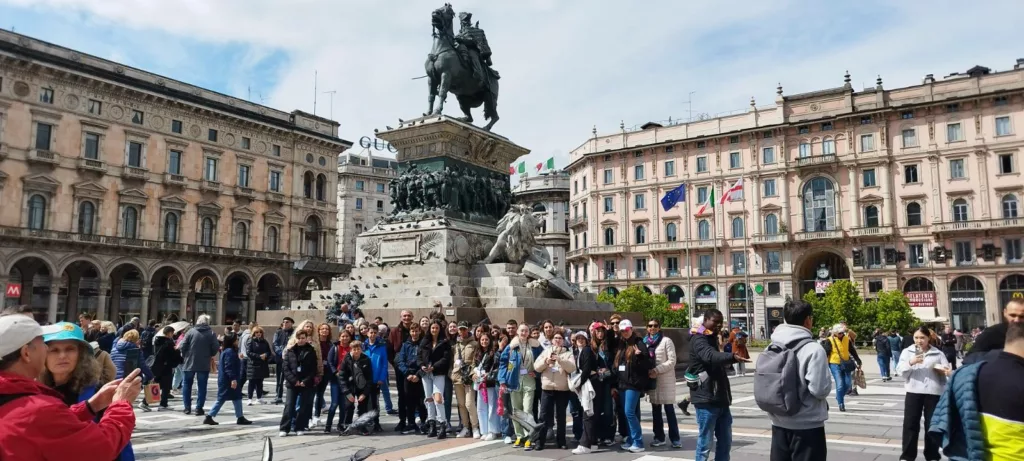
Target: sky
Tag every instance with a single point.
(566, 66)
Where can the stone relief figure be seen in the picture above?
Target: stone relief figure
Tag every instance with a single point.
(453, 188)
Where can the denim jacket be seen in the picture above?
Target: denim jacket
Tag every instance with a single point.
(511, 362)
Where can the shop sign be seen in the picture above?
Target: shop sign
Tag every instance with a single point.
(13, 290)
(967, 299)
(710, 297)
(821, 285)
(676, 306)
(921, 298)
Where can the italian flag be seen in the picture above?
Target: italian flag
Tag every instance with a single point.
(522, 167)
(549, 164)
(736, 187)
(511, 169)
(710, 202)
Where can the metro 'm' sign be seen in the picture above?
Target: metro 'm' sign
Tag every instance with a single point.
(13, 290)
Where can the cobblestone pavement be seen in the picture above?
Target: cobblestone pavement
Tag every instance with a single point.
(869, 430)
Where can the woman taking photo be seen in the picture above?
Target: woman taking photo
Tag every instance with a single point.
(335, 358)
(586, 363)
(409, 371)
(633, 365)
(325, 335)
(663, 355)
(435, 356)
(516, 376)
(229, 378)
(925, 369)
(259, 354)
(485, 381)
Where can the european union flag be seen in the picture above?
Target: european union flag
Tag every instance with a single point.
(673, 197)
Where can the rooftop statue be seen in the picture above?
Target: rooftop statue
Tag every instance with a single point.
(461, 64)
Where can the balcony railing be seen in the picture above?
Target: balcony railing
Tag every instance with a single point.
(819, 235)
(610, 275)
(877, 231)
(640, 274)
(709, 243)
(210, 186)
(826, 159)
(43, 156)
(579, 221)
(978, 224)
(89, 164)
(122, 242)
(770, 239)
(1003, 223)
(672, 273)
(275, 197)
(576, 254)
(131, 172)
(174, 179)
(607, 250)
(667, 246)
(773, 268)
(244, 192)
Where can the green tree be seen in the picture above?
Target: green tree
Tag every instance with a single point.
(840, 303)
(651, 306)
(843, 302)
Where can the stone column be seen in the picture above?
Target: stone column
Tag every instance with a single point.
(251, 311)
(3, 291)
(785, 203)
(656, 223)
(853, 194)
(183, 307)
(220, 307)
(936, 198)
(983, 188)
(51, 315)
(101, 308)
(71, 301)
(145, 306)
(886, 210)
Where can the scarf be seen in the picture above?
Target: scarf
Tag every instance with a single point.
(652, 343)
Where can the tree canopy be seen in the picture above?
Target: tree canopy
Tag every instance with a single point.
(651, 306)
(842, 301)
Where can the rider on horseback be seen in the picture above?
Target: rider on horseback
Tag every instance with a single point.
(475, 47)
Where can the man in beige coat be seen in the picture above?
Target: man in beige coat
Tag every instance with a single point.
(663, 396)
(463, 363)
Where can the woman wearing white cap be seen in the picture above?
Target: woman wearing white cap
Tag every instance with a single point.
(632, 364)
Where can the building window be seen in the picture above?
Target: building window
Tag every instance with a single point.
(960, 210)
(131, 222)
(174, 162)
(171, 228)
(734, 139)
(641, 235)
(272, 239)
(803, 129)
(804, 150)
(771, 224)
(380, 206)
(964, 253)
(321, 187)
(138, 117)
(641, 267)
(865, 120)
(913, 214)
(243, 175)
(43, 133)
(638, 154)
(869, 177)
(241, 236)
(702, 194)
(734, 160)
(95, 107)
(380, 188)
(1005, 163)
(702, 144)
(360, 185)
(828, 147)
(672, 266)
(766, 134)
(275, 150)
(134, 154)
(874, 257)
(307, 184)
(871, 216)
(1013, 251)
(245, 143)
(954, 133)
(1003, 126)
(769, 188)
(704, 265)
(702, 164)
(1010, 206)
(670, 169)
(1000, 101)
(359, 203)
(207, 233)
(915, 254)
(875, 286)
(773, 262)
(92, 146)
(907, 114)
(37, 212)
(609, 205)
(827, 126)
(638, 202)
(819, 205)
(211, 135)
(957, 169)
(774, 288)
(176, 126)
(584, 188)
(608, 176)
(86, 217)
(910, 174)
(909, 138)
(609, 236)
(211, 169)
(704, 230)
(671, 232)
(738, 229)
(867, 142)
(954, 107)
(638, 172)
(275, 181)
(768, 155)
(46, 95)
(739, 263)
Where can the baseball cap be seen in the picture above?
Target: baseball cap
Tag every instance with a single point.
(16, 331)
(625, 324)
(63, 331)
(464, 324)
(596, 325)
(580, 333)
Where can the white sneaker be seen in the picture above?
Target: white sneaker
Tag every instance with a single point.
(476, 434)
(488, 437)
(314, 423)
(463, 434)
(636, 449)
(145, 407)
(249, 403)
(300, 433)
(581, 450)
(282, 434)
(508, 440)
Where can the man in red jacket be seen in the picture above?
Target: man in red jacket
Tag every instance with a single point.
(36, 425)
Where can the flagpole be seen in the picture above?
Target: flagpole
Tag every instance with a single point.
(714, 245)
(746, 273)
(689, 262)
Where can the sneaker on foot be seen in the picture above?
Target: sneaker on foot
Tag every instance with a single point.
(657, 443)
(677, 444)
(300, 433)
(476, 434)
(282, 434)
(200, 412)
(519, 442)
(581, 450)
(463, 433)
(249, 402)
(187, 411)
(163, 408)
(636, 449)
(209, 421)
(508, 440)
(243, 422)
(145, 407)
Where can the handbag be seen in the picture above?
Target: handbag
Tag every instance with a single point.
(859, 380)
(152, 393)
(847, 365)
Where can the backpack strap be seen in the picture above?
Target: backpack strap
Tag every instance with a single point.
(796, 344)
(5, 399)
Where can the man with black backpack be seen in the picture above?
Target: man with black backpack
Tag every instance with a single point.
(791, 384)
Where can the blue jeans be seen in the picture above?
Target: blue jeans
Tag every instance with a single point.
(386, 393)
(895, 360)
(843, 382)
(632, 403)
(714, 422)
(179, 376)
(186, 389)
(487, 413)
(220, 403)
(883, 365)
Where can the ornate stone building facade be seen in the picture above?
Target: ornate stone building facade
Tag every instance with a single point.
(548, 193)
(916, 189)
(131, 194)
(363, 198)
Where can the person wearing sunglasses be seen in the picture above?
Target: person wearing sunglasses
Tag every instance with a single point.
(663, 376)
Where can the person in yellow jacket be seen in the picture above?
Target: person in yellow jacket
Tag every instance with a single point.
(842, 360)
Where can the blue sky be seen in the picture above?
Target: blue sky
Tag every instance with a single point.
(566, 65)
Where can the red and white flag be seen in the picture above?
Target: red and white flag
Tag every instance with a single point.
(736, 187)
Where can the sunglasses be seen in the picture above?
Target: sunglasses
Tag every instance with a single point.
(615, 323)
(653, 325)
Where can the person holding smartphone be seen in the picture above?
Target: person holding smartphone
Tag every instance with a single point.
(925, 369)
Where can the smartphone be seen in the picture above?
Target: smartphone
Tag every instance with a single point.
(917, 351)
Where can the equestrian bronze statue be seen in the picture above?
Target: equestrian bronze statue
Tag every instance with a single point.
(461, 64)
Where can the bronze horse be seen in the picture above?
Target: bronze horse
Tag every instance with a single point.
(448, 70)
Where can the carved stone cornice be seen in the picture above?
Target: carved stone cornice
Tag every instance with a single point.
(441, 136)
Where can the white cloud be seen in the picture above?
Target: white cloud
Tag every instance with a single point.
(567, 66)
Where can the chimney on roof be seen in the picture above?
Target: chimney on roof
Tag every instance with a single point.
(1020, 64)
(878, 83)
(930, 78)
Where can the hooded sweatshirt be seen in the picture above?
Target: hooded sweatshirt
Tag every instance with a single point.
(923, 378)
(813, 365)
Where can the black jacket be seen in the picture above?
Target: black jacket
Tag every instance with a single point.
(258, 368)
(146, 338)
(356, 376)
(439, 357)
(300, 365)
(947, 343)
(632, 373)
(489, 364)
(586, 364)
(715, 390)
(165, 357)
(882, 346)
(992, 338)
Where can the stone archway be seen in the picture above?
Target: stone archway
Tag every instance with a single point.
(705, 297)
(35, 274)
(206, 291)
(921, 295)
(815, 271)
(80, 290)
(129, 293)
(239, 299)
(269, 290)
(169, 293)
(611, 291)
(674, 294)
(967, 303)
(309, 284)
(1011, 287)
(741, 306)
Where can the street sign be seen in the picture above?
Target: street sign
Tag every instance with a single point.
(13, 290)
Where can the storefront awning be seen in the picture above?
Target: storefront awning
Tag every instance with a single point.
(927, 314)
